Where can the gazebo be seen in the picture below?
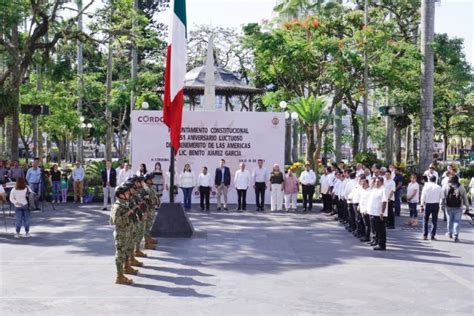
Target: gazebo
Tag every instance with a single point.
(226, 84)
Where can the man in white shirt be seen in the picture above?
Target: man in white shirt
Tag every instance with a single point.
(430, 199)
(348, 191)
(363, 204)
(390, 188)
(204, 187)
(325, 188)
(308, 180)
(260, 178)
(377, 209)
(78, 176)
(124, 174)
(242, 182)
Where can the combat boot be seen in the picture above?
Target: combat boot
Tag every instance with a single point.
(121, 279)
(139, 253)
(127, 269)
(134, 262)
(149, 245)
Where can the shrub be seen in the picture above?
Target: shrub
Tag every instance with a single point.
(367, 158)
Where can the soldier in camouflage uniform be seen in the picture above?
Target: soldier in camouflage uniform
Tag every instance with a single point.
(143, 202)
(135, 204)
(120, 218)
(153, 202)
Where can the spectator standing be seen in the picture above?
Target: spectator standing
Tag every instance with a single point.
(276, 188)
(398, 191)
(290, 188)
(325, 190)
(124, 174)
(142, 171)
(109, 182)
(187, 182)
(33, 178)
(222, 183)
(78, 176)
(430, 199)
(377, 209)
(242, 182)
(308, 181)
(390, 188)
(413, 198)
(3, 172)
(158, 180)
(204, 187)
(364, 195)
(260, 178)
(18, 197)
(15, 171)
(55, 180)
(471, 188)
(431, 171)
(64, 187)
(454, 197)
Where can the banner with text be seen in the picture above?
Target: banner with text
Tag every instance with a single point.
(206, 138)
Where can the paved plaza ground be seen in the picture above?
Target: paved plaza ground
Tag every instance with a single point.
(237, 264)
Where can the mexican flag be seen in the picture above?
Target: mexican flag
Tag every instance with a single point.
(175, 71)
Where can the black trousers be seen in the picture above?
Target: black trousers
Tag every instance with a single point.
(431, 209)
(367, 225)
(308, 192)
(260, 194)
(241, 199)
(204, 193)
(344, 209)
(359, 221)
(391, 214)
(327, 202)
(380, 232)
(352, 216)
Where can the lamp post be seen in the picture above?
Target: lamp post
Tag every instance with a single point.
(283, 106)
(80, 149)
(294, 149)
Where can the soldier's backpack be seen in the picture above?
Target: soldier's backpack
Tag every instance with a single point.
(453, 199)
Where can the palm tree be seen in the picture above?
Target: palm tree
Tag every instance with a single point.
(426, 113)
(314, 117)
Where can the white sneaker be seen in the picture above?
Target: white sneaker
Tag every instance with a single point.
(27, 235)
(17, 235)
(82, 201)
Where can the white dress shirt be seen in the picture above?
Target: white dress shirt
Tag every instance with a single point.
(204, 180)
(324, 183)
(124, 175)
(364, 200)
(355, 194)
(412, 187)
(336, 186)
(242, 179)
(431, 193)
(260, 175)
(428, 173)
(308, 177)
(376, 198)
(390, 187)
(349, 188)
(331, 178)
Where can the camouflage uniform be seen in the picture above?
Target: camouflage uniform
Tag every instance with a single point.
(153, 202)
(137, 225)
(122, 235)
(143, 197)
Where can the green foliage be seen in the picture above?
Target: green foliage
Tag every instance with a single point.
(311, 110)
(367, 158)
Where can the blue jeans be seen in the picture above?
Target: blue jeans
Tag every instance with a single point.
(398, 194)
(454, 215)
(413, 212)
(56, 191)
(35, 187)
(187, 192)
(22, 216)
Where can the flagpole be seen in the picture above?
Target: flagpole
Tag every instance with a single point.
(171, 174)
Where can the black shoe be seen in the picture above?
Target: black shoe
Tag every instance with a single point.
(433, 238)
(202, 209)
(310, 210)
(218, 209)
(379, 248)
(456, 239)
(226, 209)
(373, 243)
(104, 209)
(364, 239)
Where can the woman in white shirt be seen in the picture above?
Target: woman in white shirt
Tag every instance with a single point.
(413, 198)
(22, 212)
(187, 182)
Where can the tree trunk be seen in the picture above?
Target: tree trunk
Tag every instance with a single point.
(389, 140)
(310, 145)
(317, 150)
(398, 145)
(408, 144)
(337, 132)
(108, 112)
(355, 133)
(445, 146)
(426, 113)
(80, 86)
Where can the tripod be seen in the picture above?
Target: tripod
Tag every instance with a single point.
(43, 197)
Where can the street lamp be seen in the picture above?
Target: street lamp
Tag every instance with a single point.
(145, 105)
(294, 116)
(283, 105)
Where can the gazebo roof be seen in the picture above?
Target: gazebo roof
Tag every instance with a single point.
(226, 83)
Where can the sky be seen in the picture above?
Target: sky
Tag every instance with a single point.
(454, 17)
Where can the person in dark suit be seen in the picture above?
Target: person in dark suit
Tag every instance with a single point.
(109, 182)
(222, 182)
